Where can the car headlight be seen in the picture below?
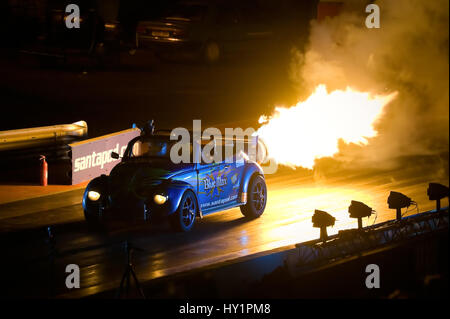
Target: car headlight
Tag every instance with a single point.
(93, 195)
(160, 199)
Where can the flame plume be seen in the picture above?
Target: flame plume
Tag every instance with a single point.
(298, 135)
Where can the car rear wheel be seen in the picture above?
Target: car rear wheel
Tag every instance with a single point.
(256, 198)
(183, 219)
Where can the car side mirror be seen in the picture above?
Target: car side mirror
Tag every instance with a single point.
(115, 155)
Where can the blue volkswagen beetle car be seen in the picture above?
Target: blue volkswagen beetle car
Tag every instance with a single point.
(147, 184)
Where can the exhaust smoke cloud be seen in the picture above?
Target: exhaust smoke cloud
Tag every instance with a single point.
(408, 55)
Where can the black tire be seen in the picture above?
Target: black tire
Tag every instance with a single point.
(184, 218)
(93, 211)
(256, 198)
(94, 220)
(93, 215)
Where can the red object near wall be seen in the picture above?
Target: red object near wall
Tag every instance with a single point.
(43, 171)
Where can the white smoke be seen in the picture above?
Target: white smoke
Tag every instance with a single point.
(407, 54)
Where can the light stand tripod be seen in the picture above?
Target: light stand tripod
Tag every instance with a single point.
(52, 254)
(129, 271)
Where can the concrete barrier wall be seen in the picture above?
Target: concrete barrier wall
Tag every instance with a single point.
(71, 157)
(92, 157)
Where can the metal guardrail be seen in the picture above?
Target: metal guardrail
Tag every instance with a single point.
(42, 136)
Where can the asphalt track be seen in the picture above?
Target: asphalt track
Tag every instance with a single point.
(174, 94)
(293, 196)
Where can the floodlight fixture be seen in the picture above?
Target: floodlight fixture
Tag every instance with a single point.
(322, 220)
(437, 192)
(359, 210)
(398, 201)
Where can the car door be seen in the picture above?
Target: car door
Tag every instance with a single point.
(211, 184)
(219, 183)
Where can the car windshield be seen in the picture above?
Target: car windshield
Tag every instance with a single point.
(152, 147)
(160, 147)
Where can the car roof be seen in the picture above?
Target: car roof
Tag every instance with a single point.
(164, 133)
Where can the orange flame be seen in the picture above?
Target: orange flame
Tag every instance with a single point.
(298, 135)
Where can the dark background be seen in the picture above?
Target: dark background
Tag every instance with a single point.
(45, 90)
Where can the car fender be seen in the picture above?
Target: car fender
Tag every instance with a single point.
(98, 184)
(175, 190)
(251, 169)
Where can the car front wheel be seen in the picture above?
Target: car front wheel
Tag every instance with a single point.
(93, 214)
(183, 219)
(256, 198)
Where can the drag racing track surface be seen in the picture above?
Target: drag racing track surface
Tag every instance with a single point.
(292, 198)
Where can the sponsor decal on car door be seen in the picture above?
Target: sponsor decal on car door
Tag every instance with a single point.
(218, 185)
(214, 185)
